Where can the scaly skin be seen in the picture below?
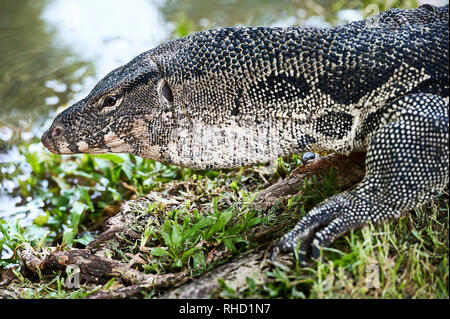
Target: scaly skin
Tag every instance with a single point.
(238, 96)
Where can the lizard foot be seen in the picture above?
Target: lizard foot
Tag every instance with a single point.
(401, 174)
(320, 227)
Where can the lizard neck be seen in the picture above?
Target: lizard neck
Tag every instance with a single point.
(229, 144)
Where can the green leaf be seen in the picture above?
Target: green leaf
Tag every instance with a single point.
(75, 214)
(199, 259)
(156, 251)
(176, 235)
(196, 229)
(103, 164)
(12, 232)
(95, 176)
(115, 158)
(116, 174)
(234, 187)
(166, 237)
(220, 223)
(32, 159)
(68, 236)
(83, 192)
(251, 283)
(86, 239)
(177, 263)
(127, 170)
(62, 184)
(114, 193)
(228, 242)
(41, 220)
(188, 253)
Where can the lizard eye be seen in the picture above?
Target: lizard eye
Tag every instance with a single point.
(110, 100)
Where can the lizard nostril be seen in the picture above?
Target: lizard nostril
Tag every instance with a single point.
(56, 132)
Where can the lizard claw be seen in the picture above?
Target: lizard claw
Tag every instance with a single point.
(316, 251)
(280, 247)
(288, 247)
(275, 251)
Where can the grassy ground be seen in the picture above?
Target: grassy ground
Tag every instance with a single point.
(192, 214)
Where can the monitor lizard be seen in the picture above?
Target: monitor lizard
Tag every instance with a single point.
(231, 97)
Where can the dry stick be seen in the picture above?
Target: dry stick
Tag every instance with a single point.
(95, 269)
(160, 282)
(235, 272)
(349, 171)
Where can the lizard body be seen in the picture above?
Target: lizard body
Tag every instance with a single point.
(231, 97)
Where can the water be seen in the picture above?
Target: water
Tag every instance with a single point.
(53, 52)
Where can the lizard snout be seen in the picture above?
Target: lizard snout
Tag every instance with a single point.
(49, 138)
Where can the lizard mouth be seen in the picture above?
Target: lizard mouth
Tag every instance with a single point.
(111, 144)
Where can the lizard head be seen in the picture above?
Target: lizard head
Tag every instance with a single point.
(178, 103)
(119, 115)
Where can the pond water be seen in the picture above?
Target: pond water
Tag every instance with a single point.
(53, 52)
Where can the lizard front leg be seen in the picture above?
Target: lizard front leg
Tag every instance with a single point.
(407, 164)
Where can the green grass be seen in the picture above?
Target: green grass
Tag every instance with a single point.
(404, 264)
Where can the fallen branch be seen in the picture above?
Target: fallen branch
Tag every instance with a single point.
(235, 272)
(98, 270)
(349, 172)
